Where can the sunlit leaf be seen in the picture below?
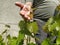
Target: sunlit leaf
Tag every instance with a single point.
(45, 42)
(33, 27)
(49, 25)
(52, 27)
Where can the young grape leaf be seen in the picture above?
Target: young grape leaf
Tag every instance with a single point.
(32, 27)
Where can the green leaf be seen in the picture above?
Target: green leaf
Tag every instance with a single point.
(32, 44)
(50, 21)
(20, 38)
(52, 27)
(21, 42)
(0, 38)
(8, 37)
(12, 41)
(21, 24)
(58, 41)
(23, 28)
(58, 33)
(32, 27)
(1, 41)
(27, 32)
(49, 26)
(58, 28)
(45, 42)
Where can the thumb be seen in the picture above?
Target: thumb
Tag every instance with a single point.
(19, 4)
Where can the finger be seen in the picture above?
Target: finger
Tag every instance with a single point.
(22, 12)
(27, 17)
(19, 4)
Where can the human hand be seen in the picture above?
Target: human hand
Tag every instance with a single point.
(25, 10)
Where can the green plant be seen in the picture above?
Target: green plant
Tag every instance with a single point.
(52, 27)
